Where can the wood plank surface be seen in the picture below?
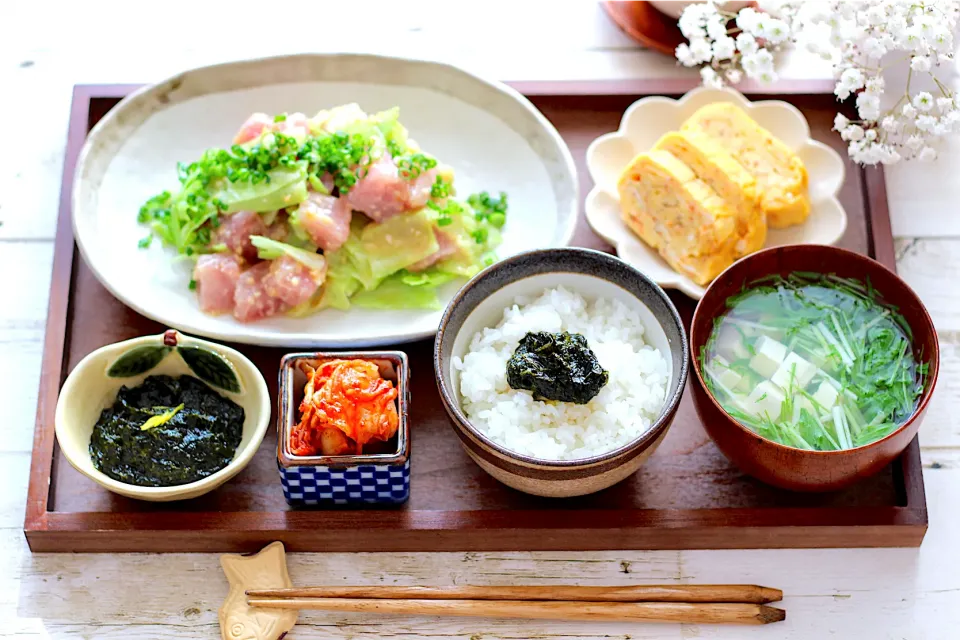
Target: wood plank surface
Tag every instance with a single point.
(177, 595)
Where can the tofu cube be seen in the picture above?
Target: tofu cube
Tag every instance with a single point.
(799, 404)
(730, 344)
(745, 385)
(721, 371)
(818, 360)
(794, 366)
(769, 356)
(826, 395)
(765, 400)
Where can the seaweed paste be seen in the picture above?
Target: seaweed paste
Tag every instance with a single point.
(556, 366)
(167, 431)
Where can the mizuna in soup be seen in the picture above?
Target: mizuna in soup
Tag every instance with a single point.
(813, 361)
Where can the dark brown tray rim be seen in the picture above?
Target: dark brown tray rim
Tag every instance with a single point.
(45, 530)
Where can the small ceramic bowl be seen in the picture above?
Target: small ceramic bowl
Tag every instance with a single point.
(375, 478)
(480, 303)
(646, 24)
(93, 384)
(788, 467)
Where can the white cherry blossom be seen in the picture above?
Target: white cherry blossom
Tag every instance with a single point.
(711, 78)
(926, 123)
(874, 48)
(685, 56)
(920, 63)
(923, 101)
(840, 122)
(701, 50)
(868, 106)
(746, 43)
(914, 142)
(724, 48)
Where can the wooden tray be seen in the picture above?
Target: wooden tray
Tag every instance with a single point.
(687, 496)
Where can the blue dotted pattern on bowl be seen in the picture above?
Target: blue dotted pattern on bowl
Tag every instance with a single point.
(365, 483)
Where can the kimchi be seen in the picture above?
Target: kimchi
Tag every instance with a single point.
(346, 405)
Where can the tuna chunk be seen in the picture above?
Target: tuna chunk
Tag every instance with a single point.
(272, 287)
(295, 124)
(253, 128)
(235, 230)
(252, 302)
(326, 219)
(279, 229)
(216, 275)
(291, 282)
(381, 193)
(447, 247)
(419, 189)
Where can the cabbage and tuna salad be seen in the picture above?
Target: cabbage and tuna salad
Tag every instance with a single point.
(338, 210)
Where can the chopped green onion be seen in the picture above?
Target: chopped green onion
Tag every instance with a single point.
(410, 167)
(480, 235)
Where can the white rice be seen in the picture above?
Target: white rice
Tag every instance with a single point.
(624, 409)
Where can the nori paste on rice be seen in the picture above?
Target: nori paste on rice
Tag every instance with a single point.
(556, 366)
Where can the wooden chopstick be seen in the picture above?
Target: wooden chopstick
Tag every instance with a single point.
(689, 612)
(729, 593)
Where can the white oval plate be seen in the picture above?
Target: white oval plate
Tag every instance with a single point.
(493, 137)
(649, 118)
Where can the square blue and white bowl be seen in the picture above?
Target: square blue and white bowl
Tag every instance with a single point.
(376, 478)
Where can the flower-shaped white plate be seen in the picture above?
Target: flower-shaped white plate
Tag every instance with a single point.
(649, 118)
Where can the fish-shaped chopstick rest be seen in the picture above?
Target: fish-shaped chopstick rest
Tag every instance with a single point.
(263, 570)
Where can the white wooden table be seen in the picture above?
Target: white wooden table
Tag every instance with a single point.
(45, 48)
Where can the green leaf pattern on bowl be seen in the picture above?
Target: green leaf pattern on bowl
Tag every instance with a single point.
(211, 367)
(137, 361)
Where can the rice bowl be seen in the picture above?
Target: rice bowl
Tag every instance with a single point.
(615, 300)
(622, 411)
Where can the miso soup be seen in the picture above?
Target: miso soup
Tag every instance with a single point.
(813, 361)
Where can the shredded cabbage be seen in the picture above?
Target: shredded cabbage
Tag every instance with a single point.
(286, 186)
(269, 249)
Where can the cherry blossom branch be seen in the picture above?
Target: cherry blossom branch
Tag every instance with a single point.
(855, 38)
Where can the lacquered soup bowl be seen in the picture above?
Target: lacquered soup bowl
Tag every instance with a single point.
(789, 467)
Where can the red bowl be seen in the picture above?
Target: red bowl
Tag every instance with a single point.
(788, 467)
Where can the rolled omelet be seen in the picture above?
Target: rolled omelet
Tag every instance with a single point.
(727, 177)
(781, 176)
(679, 215)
